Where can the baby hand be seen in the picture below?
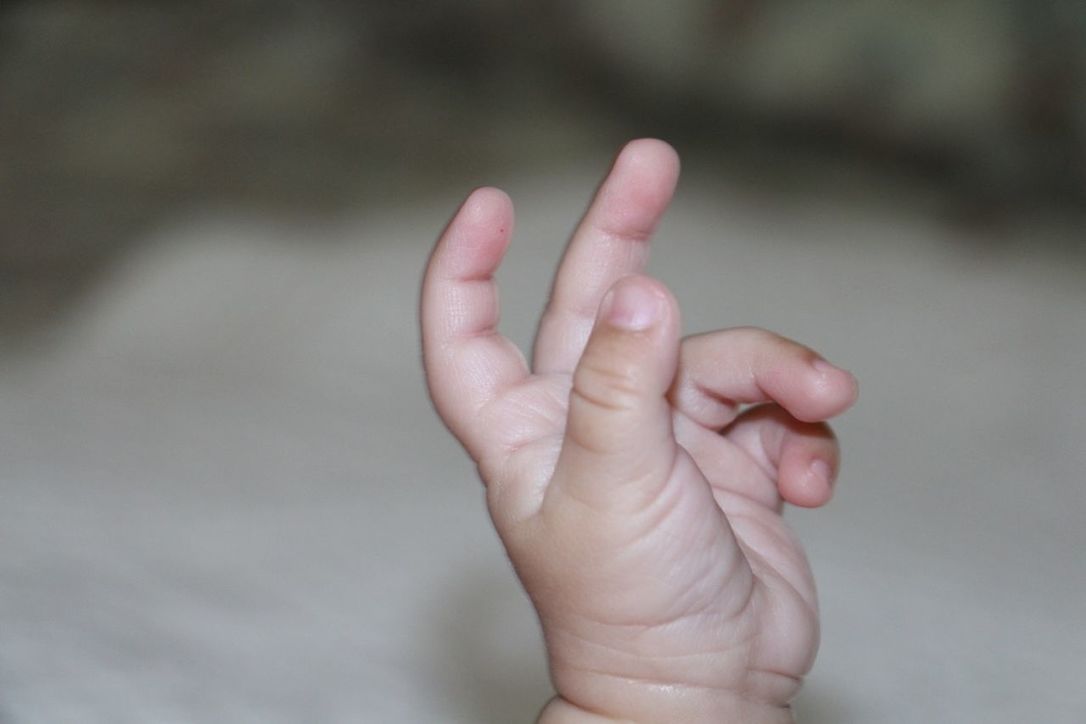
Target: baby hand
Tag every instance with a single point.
(639, 500)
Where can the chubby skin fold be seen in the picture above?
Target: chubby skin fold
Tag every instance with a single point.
(636, 478)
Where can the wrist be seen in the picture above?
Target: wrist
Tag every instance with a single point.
(736, 711)
(560, 711)
(595, 693)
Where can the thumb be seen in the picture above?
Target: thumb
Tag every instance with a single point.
(619, 448)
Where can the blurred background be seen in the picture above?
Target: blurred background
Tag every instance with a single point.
(224, 497)
(116, 114)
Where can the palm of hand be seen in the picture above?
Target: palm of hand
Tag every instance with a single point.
(654, 551)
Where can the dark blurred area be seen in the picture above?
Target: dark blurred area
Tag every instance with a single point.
(116, 114)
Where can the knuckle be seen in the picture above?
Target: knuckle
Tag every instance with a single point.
(609, 388)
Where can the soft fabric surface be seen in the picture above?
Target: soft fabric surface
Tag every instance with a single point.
(224, 497)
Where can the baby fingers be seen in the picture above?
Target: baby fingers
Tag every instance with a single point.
(803, 457)
(719, 371)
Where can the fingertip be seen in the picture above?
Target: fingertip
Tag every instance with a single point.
(853, 386)
(807, 483)
(833, 391)
(485, 205)
(649, 152)
(636, 334)
(633, 347)
(637, 303)
(474, 242)
(649, 169)
(638, 190)
(631, 308)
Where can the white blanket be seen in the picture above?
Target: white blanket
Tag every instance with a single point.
(224, 498)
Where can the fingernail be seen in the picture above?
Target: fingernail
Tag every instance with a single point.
(823, 366)
(631, 307)
(821, 469)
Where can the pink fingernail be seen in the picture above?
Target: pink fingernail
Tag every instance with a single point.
(821, 469)
(631, 307)
(824, 367)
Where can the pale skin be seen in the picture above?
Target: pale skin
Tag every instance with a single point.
(636, 478)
